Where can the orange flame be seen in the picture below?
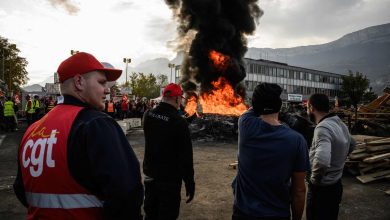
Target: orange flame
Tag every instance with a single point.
(221, 100)
(220, 61)
(191, 105)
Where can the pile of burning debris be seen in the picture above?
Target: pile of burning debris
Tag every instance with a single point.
(214, 127)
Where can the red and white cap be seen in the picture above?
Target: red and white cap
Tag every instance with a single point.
(81, 63)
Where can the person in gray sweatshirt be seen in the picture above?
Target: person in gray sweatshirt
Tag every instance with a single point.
(331, 144)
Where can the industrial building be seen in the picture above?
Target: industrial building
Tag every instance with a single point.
(298, 83)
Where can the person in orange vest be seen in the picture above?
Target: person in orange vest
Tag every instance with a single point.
(110, 108)
(76, 162)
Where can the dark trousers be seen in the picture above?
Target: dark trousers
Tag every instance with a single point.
(162, 200)
(239, 215)
(323, 201)
(10, 123)
(29, 118)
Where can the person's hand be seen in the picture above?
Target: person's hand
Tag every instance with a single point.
(190, 191)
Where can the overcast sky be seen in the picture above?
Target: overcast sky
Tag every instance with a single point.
(46, 30)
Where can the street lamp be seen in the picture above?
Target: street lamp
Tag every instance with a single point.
(72, 52)
(127, 61)
(171, 65)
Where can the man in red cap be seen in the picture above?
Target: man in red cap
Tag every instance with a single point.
(76, 162)
(168, 157)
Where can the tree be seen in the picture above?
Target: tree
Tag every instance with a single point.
(162, 80)
(12, 66)
(354, 87)
(147, 85)
(369, 96)
(115, 89)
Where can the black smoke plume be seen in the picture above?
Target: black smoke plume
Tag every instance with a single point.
(220, 25)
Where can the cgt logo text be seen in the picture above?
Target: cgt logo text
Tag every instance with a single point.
(34, 158)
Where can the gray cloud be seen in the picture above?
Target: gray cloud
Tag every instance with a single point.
(69, 6)
(160, 29)
(320, 19)
(123, 5)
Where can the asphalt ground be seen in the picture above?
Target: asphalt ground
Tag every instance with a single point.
(213, 199)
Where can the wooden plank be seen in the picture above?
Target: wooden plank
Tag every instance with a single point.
(378, 148)
(361, 146)
(387, 192)
(357, 151)
(374, 176)
(365, 140)
(379, 142)
(377, 158)
(371, 167)
(234, 165)
(359, 156)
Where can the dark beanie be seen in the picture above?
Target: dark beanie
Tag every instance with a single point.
(266, 98)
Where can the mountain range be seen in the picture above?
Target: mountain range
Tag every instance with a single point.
(366, 51)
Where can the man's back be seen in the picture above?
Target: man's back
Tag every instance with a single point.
(330, 147)
(268, 156)
(167, 141)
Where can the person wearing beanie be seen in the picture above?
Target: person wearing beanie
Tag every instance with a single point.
(273, 161)
(76, 162)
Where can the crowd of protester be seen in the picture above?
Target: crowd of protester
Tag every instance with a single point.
(36, 107)
(126, 108)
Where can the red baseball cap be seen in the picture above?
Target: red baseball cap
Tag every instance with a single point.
(172, 90)
(81, 63)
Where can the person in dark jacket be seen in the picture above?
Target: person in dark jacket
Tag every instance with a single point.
(168, 157)
(89, 170)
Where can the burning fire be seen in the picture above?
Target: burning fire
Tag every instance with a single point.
(222, 98)
(191, 105)
(220, 61)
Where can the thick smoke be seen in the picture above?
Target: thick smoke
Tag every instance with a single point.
(70, 7)
(220, 25)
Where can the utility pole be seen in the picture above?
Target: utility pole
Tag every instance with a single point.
(172, 65)
(127, 61)
(72, 52)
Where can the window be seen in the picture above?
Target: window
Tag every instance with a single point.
(280, 72)
(295, 75)
(291, 74)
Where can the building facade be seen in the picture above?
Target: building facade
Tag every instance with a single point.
(298, 83)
